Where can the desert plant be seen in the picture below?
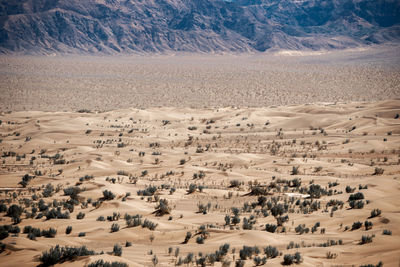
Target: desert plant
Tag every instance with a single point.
(102, 263)
(356, 225)
(366, 239)
(387, 232)
(80, 216)
(108, 195)
(200, 240)
(114, 227)
(15, 211)
(59, 254)
(295, 170)
(192, 188)
(247, 252)
(378, 171)
(375, 213)
(270, 228)
(187, 237)
(162, 208)
(356, 204)
(368, 225)
(50, 233)
(271, 252)
(149, 224)
(259, 261)
(68, 230)
(117, 250)
(48, 190)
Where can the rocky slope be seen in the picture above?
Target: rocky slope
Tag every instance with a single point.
(124, 26)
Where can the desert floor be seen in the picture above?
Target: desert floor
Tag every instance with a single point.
(233, 157)
(71, 83)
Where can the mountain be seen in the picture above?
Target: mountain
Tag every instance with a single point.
(126, 26)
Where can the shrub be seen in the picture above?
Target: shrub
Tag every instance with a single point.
(162, 208)
(48, 190)
(368, 225)
(301, 228)
(68, 230)
(359, 204)
(149, 224)
(235, 219)
(15, 211)
(108, 195)
(270, 228)
(200, 240)
(248, 223)
(81, 234)
(149, 191)
(133, 222)
(247, 252)
(375, 213)
(378, 171)
(356, 225)
(187, 237)
(56, 214)
(50, 233)
(387, 232)
(278, 209)
(154, 260)
(289, 259)
(101, 219)
(349, 189)
(316, 191)
(192, 188)
(59, 254)
(114, 227)
(259, 261)
(80, 215)
(239, 263)
(128, 244)
(102, 263)
(3, 207)
(356, 196)
(25, 180)
(380, 264)
(366, 239)
(271, 252)
(295, 170)
(234, 183)
(72, 191)
(117, 250)
(258, 191)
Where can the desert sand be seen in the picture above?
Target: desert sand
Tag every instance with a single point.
(105, 83)
(233, 155)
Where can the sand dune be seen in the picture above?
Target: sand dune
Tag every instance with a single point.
(340, 144)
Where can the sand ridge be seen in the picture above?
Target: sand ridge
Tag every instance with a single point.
(331, 143)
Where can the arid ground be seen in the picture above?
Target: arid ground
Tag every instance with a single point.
(70, 83)
(250, 177)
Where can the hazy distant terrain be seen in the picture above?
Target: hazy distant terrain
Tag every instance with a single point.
(116, 26)
(108, 83)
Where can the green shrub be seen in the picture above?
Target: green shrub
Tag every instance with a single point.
(117, 250)
(59, 254)
(102, 263)
(114, 227)
(68, 230)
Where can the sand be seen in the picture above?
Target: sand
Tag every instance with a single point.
(71, 83)
(330, 142)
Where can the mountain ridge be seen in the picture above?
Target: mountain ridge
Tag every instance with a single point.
(135, 26)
